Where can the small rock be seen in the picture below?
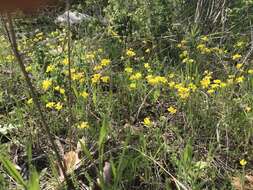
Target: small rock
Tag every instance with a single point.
(74, 18)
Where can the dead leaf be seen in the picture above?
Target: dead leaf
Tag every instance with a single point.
(70, 160)
(237, 183)
(107, 173)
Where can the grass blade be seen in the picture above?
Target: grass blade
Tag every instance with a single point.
(9, 166)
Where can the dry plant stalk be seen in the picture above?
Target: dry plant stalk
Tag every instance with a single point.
(13, 41)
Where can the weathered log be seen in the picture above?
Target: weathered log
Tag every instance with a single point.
(24, 5)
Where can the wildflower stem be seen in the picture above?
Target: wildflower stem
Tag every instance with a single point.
(69, 70)
(143, 103)
(13, 41)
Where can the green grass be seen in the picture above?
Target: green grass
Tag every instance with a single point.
(198, 146)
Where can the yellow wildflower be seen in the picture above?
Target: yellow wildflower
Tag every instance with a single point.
(77, 76)
(155, 80)
(146, 66)
(214, 86)
(50, 68)
(204, 38)
(188, 60)
(46, 84)
(50, 104)
(239, 65)
(193, 87)
(95, 78)
(30, 101)
(105, 79)
(130, 53)
(172, 110)
(90, 56)
(183, 92)
(97, 67)
(84, 94)
(147, 50)
(58, 106)
(171, 75)
(59, 89)
(250, 71)
(62, 91)
(147, 122)
(172, 84)
(183, 42)
(132, 86)
(83, 125)
(239, 44)
(100, 50)
(236, 56)
(223, 84)
(239, 79)
(217, 81)
(65, 61)
(205, 82)
(28, 68)
(136, 76)
(201, 46)
(210, 91)
(247, 109)
(105, 62)
(128, 70)
(243, 162)
(184, 54)
(179, 45)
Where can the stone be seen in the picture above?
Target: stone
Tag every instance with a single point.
(74, 18)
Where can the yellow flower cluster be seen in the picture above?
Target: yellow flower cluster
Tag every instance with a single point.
(186, 57)
(156, 80)
(59, 89)
(182, 44)
(204, 39)
(90, 56)
(38, 37)
(136, 76)
(183, 92)
(75, 75)
(46, 84)
(96, 78)
(52, 105)
(78, 76)
(103, 63)
(83, 125)
(203, 49)
(105, 79)
(211, 85)
(130, 53)
(206, 81)
(50, 68)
